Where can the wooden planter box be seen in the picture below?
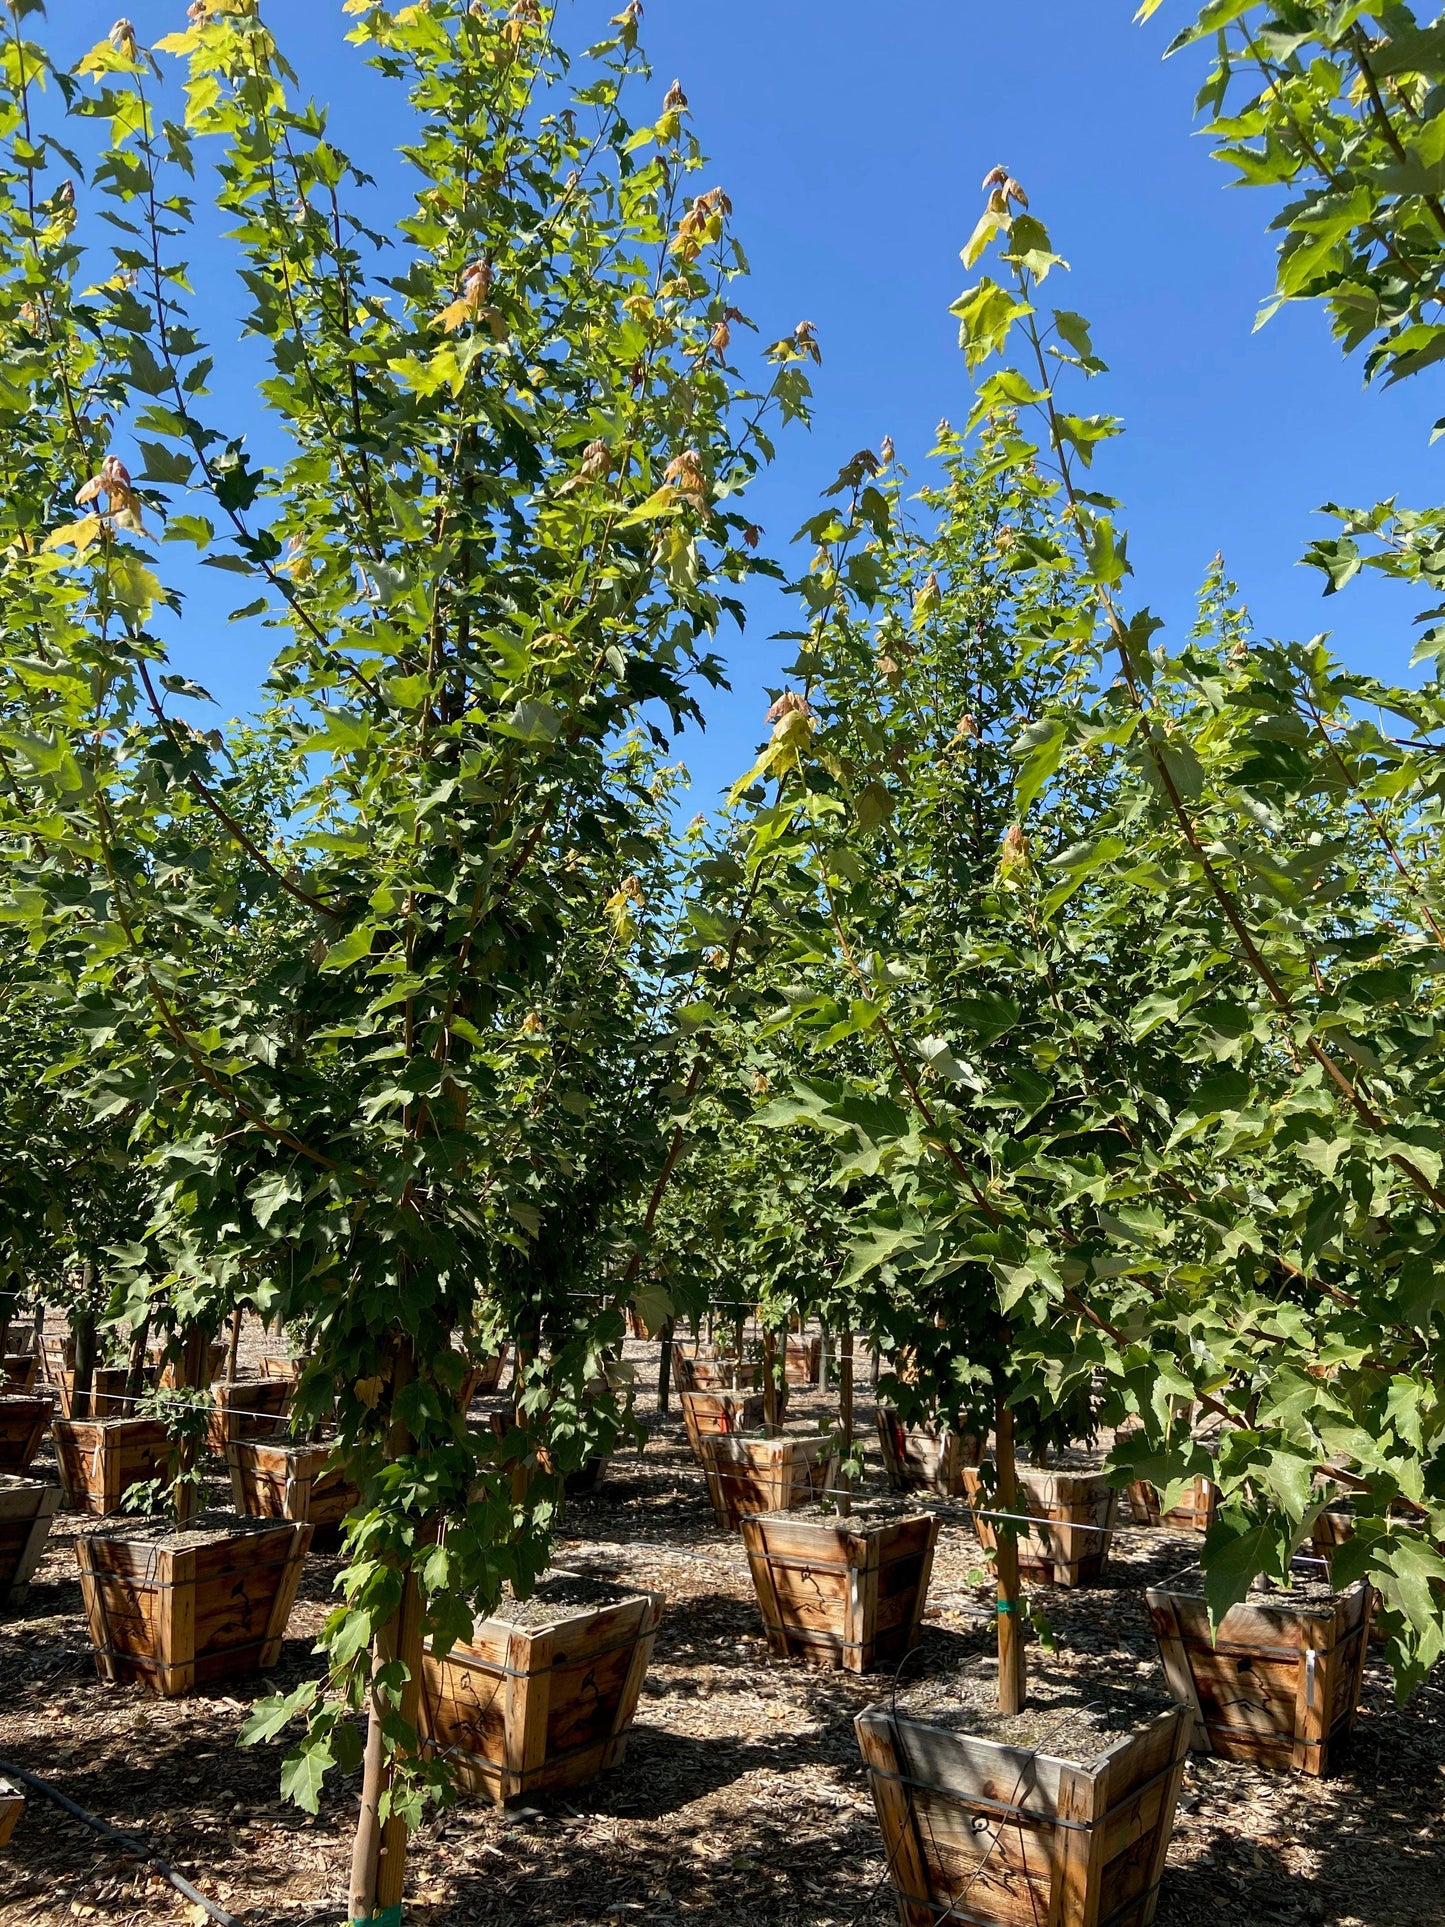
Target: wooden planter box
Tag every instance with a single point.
(19, 1372)
(801, 1360)
(707, 1414)
(100, 1459)
(706, 1372)
(483, 1379)
(526, 1709)
(173, 1614)
(1281, 1684)
(12, 1805)
(587, 1478)
(26, 1510)
(765, 1475)
(107, 1392)
(918, 1458)
(273, 1479)
(1075, 1512)
(841, 1592)
(215, 1365)
(1196, 1512)
(24, 1422)
(251, 1408)
(994, 1836)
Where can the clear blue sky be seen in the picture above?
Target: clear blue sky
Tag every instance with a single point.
(852, 138)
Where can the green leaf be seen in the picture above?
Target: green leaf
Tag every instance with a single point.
(354, 948)
(303, 1773)
(271, 1716)
(1039, 751)
(135, 588)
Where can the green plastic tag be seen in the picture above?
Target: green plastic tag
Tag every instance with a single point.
(391, 1918)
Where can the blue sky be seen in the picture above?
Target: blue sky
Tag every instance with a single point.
(852, 138)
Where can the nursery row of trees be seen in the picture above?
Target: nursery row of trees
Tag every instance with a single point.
(1056, 1003)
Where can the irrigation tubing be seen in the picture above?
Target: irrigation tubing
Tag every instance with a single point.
(128, 1841)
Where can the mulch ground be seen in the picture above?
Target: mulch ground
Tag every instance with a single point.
(741, 1799)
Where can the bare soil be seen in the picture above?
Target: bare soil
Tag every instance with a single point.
(742, 1801)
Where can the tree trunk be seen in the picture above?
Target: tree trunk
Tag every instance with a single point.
(1012, 1678)
(664, 1369)
(845, 1418)
(378, 1856)
(770, 1382)
(234, 1352)
(82, 1330)
(191, 1376)
(135, 1373)
(824, 1375)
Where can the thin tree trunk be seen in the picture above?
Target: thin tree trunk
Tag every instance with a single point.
(664, 1369)
(845, 1417)
(770, 1382)
(135, 1373)
(1012, 1677)
(823, 1358)
(234, 1352)
(191, 1376)
(378, 1855)
(82, 1329)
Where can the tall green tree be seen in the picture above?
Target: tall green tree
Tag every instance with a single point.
(364, 1032)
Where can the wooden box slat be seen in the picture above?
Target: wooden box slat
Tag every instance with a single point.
(765, 1475)
(175, 1617)
(278, 1480)
(100, 1459)
(705, 1414)
(24, 1422)
(840, 1594)
(802, 1359)
(1196, 1511)
(918, 1458)
(993, 1836)
(524, 1710)
(108, 1395)
(706, 1371)
(27, 1508)
(1279, 1686)
(1073, 1515)
(19, 1372)
(249, 1408)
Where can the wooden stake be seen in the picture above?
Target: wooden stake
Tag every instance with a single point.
(391, 1873)
(190, 1376)
(378, 1853)
(1012, 1677)
(82, 1326)
(770, 1382)
(845, 1418)
(135, 1373)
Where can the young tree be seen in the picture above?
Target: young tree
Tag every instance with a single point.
(500, 538)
